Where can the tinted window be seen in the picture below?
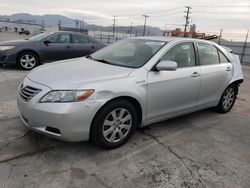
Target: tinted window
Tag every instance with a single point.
(208, 54)
(80, 39)
(60, 38)
(183, 54)
(223, 58)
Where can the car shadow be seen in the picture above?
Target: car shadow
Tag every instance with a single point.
(169, 126)
(10, 67)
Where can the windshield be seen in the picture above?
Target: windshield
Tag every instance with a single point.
(39, 37)
(132, 53)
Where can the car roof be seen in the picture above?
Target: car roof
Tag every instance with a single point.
(70, 32)
(171, 39)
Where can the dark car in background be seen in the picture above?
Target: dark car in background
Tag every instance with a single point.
(47, 47)
(24, 32)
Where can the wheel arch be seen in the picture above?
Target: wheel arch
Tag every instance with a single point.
(130, 99)
(236, 83)
(29, 50)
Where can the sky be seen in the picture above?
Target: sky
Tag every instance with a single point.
(233, 16)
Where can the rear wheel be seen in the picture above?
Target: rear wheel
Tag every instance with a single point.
(227, 99)
(27, 60)
(114, 124)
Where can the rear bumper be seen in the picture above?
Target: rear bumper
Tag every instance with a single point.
(63, 121)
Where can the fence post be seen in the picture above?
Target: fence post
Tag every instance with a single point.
(244, 47)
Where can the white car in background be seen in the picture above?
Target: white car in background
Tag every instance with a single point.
(132, 83)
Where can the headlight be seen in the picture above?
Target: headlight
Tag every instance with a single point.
(2, 48)
(67, 96)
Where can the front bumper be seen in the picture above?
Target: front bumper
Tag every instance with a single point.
(64, 121)
(6, 57)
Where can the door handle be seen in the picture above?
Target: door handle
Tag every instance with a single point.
(195, 74)
(228, 69)
(93, 47)
(68, 46)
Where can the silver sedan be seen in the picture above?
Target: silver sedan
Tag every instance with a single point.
(135, 82)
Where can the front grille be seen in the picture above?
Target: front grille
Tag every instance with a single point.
(28, 92)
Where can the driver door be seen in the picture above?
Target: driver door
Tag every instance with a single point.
(57, 47)
(174, 92)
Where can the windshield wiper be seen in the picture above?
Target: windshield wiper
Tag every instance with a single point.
(89, 56)
(103, 61)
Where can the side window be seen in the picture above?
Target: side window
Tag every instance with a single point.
(60, 38)
(223, 58)
(208, 54)
(183, 54)
(80, 39)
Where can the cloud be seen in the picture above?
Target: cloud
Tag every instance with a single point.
(207, 15)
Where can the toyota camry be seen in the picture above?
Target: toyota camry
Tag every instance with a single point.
(132, 83)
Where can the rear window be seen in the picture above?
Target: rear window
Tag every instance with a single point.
(208, 54)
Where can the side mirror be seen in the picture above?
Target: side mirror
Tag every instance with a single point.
(166, 65)
(46, 42)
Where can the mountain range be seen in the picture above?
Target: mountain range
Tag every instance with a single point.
(53, 20)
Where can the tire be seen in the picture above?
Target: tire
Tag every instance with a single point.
(111, 133)
(227, 99)
(27, 60)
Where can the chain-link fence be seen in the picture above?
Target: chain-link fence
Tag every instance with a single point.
(240, 48)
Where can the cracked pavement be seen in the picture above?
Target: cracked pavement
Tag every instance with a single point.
(202, 149)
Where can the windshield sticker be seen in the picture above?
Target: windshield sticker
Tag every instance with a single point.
(154, 43)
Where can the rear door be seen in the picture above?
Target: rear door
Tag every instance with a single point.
(216, 72)
(82, 45)
(173, 92)
(58, 47)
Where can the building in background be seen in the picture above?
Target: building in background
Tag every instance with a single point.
(20, 25)
(190, 34)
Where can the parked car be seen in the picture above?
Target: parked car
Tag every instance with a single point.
(129, 84)
(25, 32)
(46, 47)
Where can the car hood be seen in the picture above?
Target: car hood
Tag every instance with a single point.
(15, 42)
(74, 73)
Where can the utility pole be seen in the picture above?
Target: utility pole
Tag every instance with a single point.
(59, 24)
(114, 25)
(83, 23)
(131, 29)
(244, 47)
(43, 25)
(187, 18)
(77, 23)
(220, 36)
(145, 21)
(165, 31)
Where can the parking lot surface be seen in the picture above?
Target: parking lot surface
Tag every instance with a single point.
(203, 149)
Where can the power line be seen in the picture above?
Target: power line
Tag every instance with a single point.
(155, 12)
(219, 12)
(223, 6)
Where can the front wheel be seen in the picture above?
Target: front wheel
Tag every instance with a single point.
(27, 60)
(114, 124)
(227, 99)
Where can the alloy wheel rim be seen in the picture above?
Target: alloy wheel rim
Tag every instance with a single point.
(228, 98)
(117, 125)
(28, 61)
